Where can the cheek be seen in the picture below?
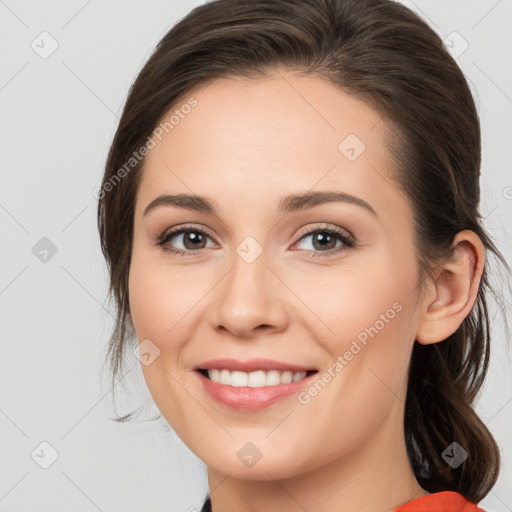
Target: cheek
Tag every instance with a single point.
(159, 303)
(364, 319)
(159, 299)
(369, 340)
(344, 302)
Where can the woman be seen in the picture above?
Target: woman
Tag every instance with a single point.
(289, 212)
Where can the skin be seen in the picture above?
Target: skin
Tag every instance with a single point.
(245, 145)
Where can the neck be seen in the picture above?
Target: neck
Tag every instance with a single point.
(375, 476)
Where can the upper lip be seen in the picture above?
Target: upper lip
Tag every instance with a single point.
(251, 365)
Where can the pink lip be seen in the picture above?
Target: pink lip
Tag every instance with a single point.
(246, 398)
(251, 366)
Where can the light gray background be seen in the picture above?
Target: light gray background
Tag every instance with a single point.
(58, 116)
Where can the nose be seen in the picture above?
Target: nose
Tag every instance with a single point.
(250, 298)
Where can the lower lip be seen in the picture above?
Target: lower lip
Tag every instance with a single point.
(251, 399)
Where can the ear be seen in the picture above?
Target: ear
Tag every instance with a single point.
(452, 296)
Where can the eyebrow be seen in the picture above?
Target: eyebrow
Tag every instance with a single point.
(287, 204)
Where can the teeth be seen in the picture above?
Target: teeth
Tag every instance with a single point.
(256, 379)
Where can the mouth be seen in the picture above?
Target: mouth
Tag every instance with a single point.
(254, 379)
(252, 390)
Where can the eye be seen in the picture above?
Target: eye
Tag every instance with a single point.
(192, 238)
(327, 240)
(323, 240)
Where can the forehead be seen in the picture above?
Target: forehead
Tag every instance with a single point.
(283, 132)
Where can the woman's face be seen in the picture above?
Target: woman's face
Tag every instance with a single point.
(262, 279)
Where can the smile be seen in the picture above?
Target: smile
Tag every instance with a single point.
(256, 379)
(252, 391)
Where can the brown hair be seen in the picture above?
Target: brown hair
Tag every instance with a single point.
(386, 55)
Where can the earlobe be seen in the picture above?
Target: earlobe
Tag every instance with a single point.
(454, 291)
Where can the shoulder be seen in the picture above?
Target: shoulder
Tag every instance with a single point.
(446, 501)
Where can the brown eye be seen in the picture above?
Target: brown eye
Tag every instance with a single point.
(325, 240)
(192, 240)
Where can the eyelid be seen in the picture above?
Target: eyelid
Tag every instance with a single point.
(183, 227)
(308, 230)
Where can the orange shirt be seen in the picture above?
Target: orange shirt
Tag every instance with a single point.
(446, 501)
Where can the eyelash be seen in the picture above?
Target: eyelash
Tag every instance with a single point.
(349, 242)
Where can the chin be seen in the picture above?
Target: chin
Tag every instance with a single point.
(249, 463)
